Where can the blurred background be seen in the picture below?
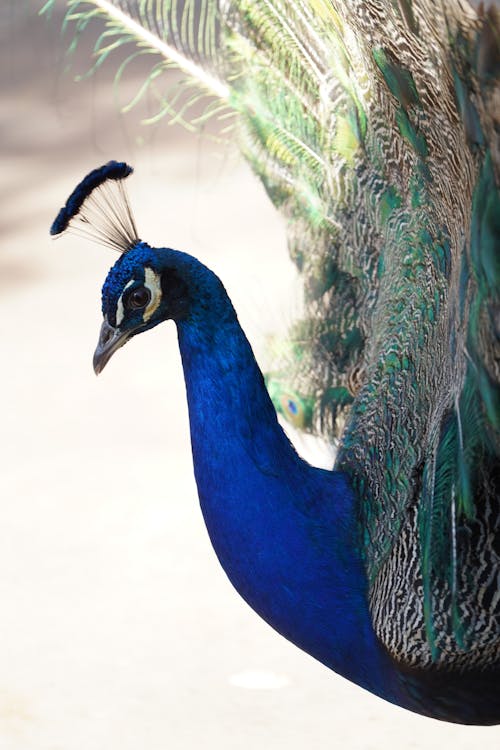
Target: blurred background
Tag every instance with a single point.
(118, 629)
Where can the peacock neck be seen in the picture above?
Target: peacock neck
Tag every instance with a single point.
(285, 533)
(229, 407)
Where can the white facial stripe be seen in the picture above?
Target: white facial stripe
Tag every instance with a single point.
(120, 312)
(152, 282)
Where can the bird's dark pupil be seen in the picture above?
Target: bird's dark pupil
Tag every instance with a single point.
(139, 298)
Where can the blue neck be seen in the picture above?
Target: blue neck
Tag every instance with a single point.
(285, 532)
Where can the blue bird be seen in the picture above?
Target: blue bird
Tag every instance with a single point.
(374, 128)
(289, 536)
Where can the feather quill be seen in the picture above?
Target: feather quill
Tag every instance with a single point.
(147, 38)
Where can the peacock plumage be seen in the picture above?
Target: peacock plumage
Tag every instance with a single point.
(374, 127)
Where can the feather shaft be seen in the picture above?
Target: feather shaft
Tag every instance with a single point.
(216, 87)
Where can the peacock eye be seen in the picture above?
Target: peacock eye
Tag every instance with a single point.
(138, 298)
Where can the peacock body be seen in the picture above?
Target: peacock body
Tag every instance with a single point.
(374, 128)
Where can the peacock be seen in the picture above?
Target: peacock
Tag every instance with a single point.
(374, 126)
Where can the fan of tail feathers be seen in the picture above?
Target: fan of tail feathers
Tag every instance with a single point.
(374, 128)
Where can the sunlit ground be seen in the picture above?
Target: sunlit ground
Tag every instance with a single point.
(118, 629)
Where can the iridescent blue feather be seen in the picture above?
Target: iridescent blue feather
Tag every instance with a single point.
(113, 170)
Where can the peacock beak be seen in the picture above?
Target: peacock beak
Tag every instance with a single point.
(110, 339)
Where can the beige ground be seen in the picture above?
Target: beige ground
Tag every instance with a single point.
(118, 630)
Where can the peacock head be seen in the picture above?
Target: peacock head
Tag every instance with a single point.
(146, 285)
(143, 288)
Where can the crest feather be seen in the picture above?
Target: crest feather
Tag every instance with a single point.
(98, 208)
